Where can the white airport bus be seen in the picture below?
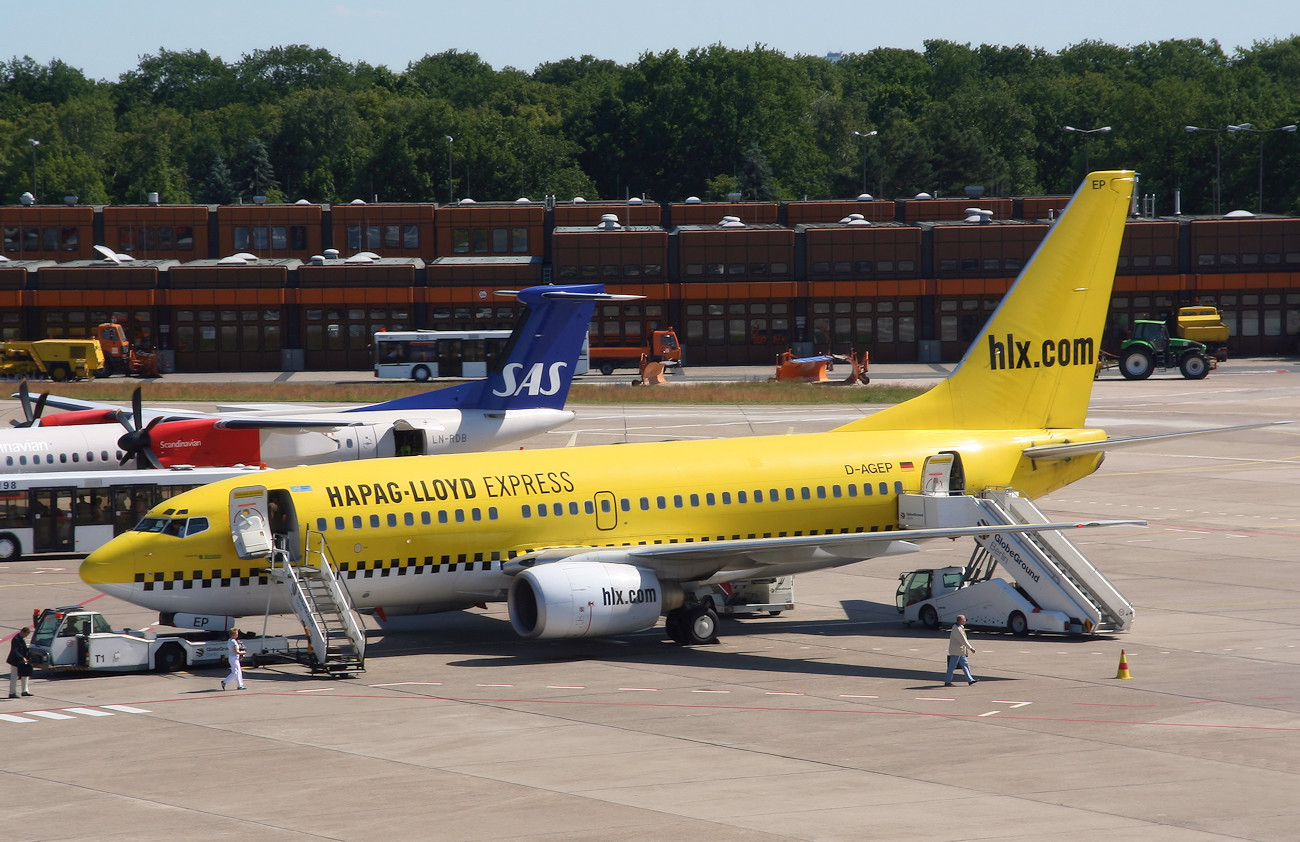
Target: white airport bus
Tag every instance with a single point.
(72, 513)
(424, 354)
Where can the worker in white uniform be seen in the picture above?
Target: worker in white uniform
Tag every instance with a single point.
(235, 652)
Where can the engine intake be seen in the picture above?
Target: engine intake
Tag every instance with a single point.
(588, 598)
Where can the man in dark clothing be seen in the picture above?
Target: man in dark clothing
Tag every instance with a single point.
(20, 666)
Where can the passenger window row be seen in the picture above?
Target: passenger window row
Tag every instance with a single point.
(63, 458)
(588, 507)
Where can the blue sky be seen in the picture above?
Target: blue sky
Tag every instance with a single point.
(105, 39)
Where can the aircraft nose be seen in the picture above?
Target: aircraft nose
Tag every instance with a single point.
(111, 568)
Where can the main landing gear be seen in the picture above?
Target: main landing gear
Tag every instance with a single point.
(693, 625)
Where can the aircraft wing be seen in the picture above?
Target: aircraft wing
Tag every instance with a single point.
(73, 404)
(234, 422)
(1053, 452)
(724, 561)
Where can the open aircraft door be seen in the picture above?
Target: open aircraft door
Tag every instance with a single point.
(412, 437)
(249, 526)
(943, 475)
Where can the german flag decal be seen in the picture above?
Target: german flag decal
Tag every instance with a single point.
(907, 466)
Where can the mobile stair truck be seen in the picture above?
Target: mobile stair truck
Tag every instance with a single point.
(1047, 584)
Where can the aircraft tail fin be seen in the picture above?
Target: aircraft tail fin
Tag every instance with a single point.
(1033, 365)
(536, 366)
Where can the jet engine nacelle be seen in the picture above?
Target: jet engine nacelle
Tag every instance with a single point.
(589, 598)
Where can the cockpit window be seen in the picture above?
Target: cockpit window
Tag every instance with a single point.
(180, 527)
(152, 524)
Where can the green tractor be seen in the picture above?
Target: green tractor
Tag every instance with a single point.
(1152, 347)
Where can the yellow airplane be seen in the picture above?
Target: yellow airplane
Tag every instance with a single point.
(605, 540)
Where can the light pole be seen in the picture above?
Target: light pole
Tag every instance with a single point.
(1087, 146)
(1218, 169)
(450, 139)
(863, 144)
(35, 143)
(1246, 127)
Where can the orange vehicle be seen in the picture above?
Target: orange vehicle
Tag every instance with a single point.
(814, 369)
(121, 356)
(663, 348)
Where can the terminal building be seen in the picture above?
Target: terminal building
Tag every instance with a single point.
(304, 286)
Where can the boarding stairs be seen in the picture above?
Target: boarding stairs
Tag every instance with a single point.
(321, 602)
(1046, 566)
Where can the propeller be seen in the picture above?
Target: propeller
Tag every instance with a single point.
(32, 414)
(136, 443)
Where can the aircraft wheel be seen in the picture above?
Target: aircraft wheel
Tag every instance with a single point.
(420, 374)
(1194, 367)
(1136, 364)
(10, 549)
(929, 617)
(1017, 624)
(169, 658)
(675, 626)
(702, 626)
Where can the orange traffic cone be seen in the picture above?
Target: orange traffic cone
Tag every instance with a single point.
(1123, 666)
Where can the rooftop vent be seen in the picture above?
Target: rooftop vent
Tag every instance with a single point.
(111, 256)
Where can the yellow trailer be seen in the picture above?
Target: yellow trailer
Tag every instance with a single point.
(58, 359)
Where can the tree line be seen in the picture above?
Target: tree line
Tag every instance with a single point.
(297, 122)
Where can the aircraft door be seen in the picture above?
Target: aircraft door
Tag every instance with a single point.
(249, 524)
(367, 441)
(606, 510)
(52, 520)
(409, 440)
(283, 519)
(943, 475)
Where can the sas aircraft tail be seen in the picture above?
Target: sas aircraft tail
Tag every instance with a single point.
(536, 366)
(1033, 365)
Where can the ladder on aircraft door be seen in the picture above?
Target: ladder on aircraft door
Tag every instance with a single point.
(338, 643)
(1057, 554)
(1045, 564)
